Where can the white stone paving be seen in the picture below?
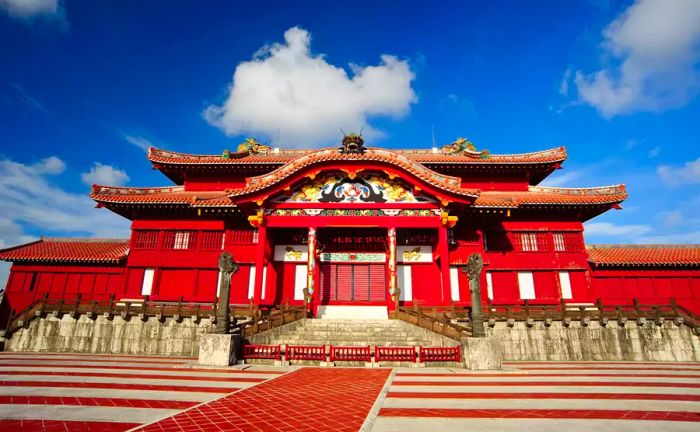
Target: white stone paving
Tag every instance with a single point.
(553, 379)
(542, 389)
(468, 400)
(84, 413)
(186, 396)
(412, 424)
(94, 357)
(545, 404)
(121, 380)
(169, 373)
(61, 371)
(81, 362)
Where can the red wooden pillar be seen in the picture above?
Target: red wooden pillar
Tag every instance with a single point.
(391, 236)
(311, 273)
(259, 265)
(443, 248)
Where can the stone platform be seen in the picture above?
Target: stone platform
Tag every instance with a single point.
(77, 392)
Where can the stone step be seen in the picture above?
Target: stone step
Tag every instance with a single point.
(357, 327)
(350, 343)
(339, 323)
(353, 329)
(372, 340)
(308, 332)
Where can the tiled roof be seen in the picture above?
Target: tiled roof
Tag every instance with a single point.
(160, 195)
(69, 250)
(540, 195)
(280, 157)
(536, 195)
(440, 181)
(540, 157)
(642, 255)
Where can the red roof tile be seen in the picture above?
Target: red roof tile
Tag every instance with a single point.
(540, 195)
(536, 195)
(160, 195)
(421, 156)
(441, 181)
(69, 250)
(641, 255)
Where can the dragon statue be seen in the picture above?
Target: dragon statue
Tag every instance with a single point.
(464, 147)
(250, 146)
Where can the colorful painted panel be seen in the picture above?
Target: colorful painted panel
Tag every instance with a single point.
(410, 254)
(368, 188)
(353, 257)
(291, 253)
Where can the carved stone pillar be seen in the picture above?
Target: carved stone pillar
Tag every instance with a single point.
(394, 290)
(227, 267)
(473, 270)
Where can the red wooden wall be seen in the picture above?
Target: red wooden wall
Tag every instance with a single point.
(31, 282)
(649, 286)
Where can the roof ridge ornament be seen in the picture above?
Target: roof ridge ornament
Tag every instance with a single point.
(352, 144)
(249, 147)
(463, 147)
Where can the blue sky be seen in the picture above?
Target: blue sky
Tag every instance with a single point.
(85, 86)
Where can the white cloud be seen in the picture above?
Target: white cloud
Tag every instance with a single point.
(139, 141)
(631, 143)
(653, 46)
(692, 237)
(27, 99)
(50, 165)
(654, 152)
(104, 175)
(689, 173)
(564, 85)
(672, 218)
(286, 88)
(28, 9)
(29, 199)
(557, 180)
(604, 229)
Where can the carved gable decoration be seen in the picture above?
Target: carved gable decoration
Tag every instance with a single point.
(339, 188)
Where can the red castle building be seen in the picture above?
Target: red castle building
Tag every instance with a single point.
(356, 226)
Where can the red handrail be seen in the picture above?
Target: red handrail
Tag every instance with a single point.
(440, 354)
(395, 354)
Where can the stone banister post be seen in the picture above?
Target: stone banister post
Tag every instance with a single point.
(473, 270)
(227, 267)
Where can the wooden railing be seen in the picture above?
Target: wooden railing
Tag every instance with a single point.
(440, 324)
(127, 308)
(275, 318)
(585, 313)
(438, 319)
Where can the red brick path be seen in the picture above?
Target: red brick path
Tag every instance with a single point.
(309, 399)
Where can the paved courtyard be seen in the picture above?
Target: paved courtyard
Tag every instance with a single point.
(74, 392)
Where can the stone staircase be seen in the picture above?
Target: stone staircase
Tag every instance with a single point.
(354, 333)
(351, 332)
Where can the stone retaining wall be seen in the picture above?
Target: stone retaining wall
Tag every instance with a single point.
(629, 341)
(614, 342)
(110, 335)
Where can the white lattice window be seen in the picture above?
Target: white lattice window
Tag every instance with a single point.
(528, 241)
(182, 240)
(559, 244)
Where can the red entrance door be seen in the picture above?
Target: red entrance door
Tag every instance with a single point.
(352, 283)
